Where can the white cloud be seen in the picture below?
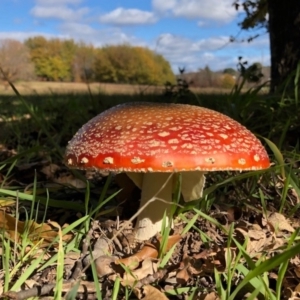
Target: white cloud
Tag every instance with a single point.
(164, 5)
(74, 29)
(122, 16)
(57, 2)
(97, 37)
(213, 10)
(22, 35)
(201, 23)
(215, 52)
(58, 12)
(173, 43)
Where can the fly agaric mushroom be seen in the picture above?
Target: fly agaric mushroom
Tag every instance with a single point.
(151, 142)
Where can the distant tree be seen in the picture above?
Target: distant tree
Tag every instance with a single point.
(282, 20)
(227, 81)
(152, 68)
(135, 65)
(165, 72)
(39, 55)
(103, 69)
(230, 71)
(15, 61)
(208, 75)
(83, 63)
(52, 58)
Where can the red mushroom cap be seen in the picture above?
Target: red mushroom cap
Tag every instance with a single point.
(141, 137)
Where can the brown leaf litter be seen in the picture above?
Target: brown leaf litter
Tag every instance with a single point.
(197, 255)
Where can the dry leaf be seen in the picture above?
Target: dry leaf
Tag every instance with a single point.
(234, 214)
(132, 262)
(279, 221)
(50, 170)
(70, 180)
(183, 275)
(210, 296)
(44, 234)
(148, 251)
(103, 265)
(148, 268)
(149, 292)
(297, 271)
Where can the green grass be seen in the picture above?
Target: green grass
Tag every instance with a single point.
(37, 128)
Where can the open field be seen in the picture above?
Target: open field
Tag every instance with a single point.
(43, 87)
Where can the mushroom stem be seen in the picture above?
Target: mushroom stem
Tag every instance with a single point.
(155, 187)
(156, 198)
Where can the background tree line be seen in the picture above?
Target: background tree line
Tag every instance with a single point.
(44, 59)
(65, 60)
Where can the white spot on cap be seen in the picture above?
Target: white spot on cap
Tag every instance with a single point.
(185, 137)
(187, 145)
(154, 143)
(224, 136)
(108, 160)
(175, 128)
(70, 161)
(173, 141)
(256, 157)
(118, 127)
(167, 164)
(150, 169)
(164, 133)
(137, 160)
(210, 160)
(84, 160)
(242, 161)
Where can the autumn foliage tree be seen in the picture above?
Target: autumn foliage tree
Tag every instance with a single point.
(136, 65)
(83, 63)
(52, 58)
(65, 60)
(15, 61)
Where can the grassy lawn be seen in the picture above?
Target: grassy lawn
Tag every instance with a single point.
(68, 233)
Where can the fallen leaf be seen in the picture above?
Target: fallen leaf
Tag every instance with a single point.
(149, 292)
(132, 262)
(210, 296)
(103, 265)
(149, 267)
(44, 234)
(148, 251)
(234, 214)
(279, 221)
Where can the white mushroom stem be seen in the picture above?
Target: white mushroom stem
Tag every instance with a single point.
(155, 187)
(156, 198)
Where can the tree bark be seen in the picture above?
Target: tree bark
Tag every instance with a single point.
(284, 29)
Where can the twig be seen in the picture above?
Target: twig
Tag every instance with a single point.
(86, 288)
(33, 292)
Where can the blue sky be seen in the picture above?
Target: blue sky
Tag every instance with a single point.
(189, 33)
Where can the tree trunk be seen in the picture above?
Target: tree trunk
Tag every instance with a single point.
(284, 28)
